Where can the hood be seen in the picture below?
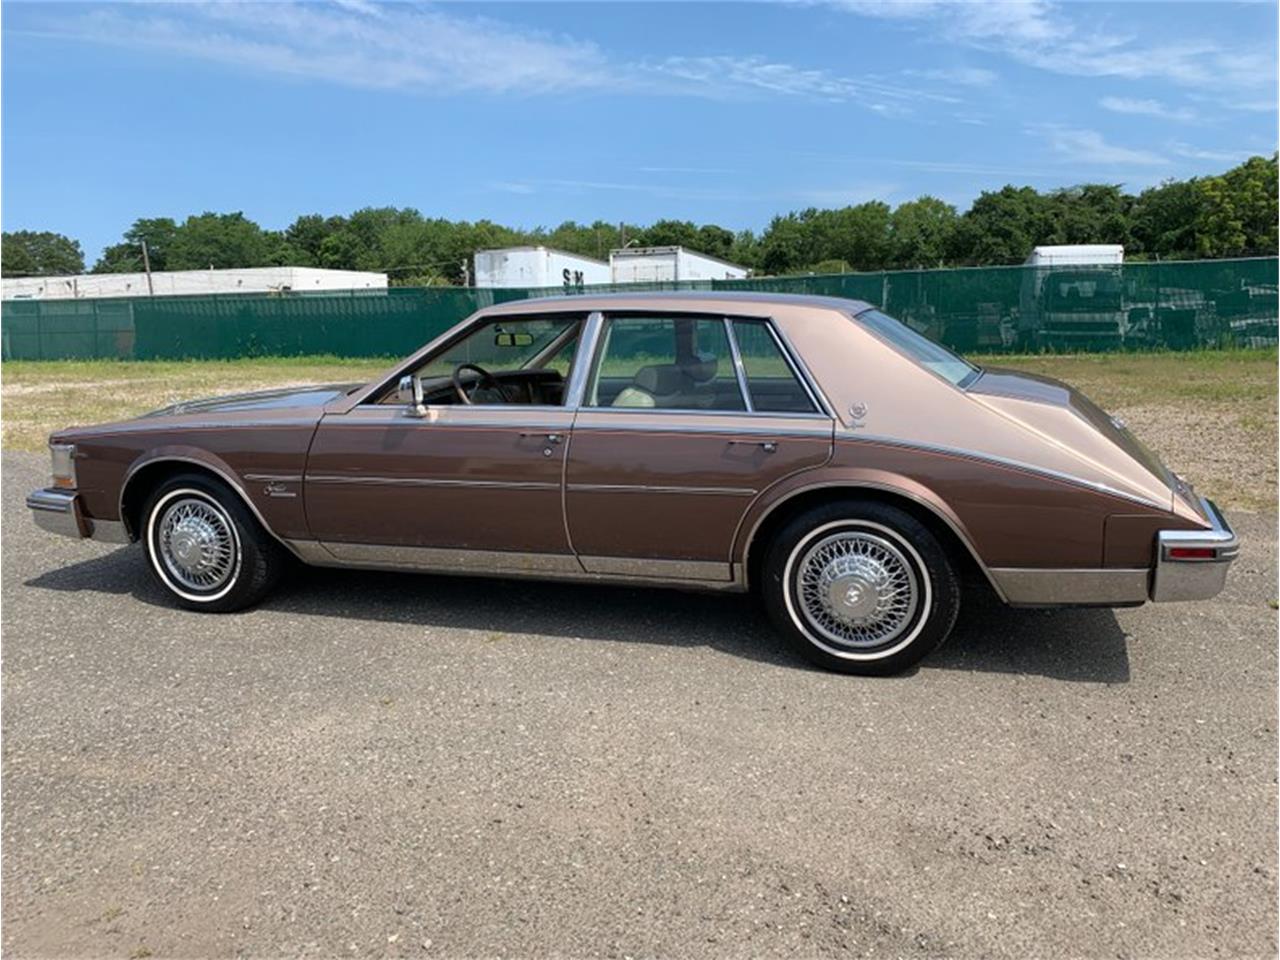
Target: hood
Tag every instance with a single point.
(1063, 416)
(261, 400)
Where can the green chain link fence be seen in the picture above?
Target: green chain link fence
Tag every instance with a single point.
(1139, 306)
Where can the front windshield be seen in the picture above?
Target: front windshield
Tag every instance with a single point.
(515, 344)
(932, 356)
(1092, 292)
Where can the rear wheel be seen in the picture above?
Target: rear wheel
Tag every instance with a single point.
(205, 548)
(860, 588)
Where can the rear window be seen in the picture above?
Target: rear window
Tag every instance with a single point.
(932, 356)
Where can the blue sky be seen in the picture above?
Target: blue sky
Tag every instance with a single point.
(534, 113)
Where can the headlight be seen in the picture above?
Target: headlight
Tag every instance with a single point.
(64, 464)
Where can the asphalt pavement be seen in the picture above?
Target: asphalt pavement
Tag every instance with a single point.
(377, 764)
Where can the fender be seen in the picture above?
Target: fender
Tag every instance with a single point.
(201, 458)
(851, 478)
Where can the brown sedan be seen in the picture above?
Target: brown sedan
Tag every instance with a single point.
(814, 450)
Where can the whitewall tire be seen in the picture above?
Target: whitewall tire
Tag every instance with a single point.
(205, 548)
(860, 587)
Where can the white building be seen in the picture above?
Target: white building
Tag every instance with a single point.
(669, 265)
(166, 283)
(537, 267)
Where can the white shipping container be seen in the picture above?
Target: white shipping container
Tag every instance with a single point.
(537, 267)
(669, 265)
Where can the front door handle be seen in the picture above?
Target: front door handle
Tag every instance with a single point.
(549, 437)
(768, 446)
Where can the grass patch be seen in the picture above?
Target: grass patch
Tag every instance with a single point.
(1210, 414)
(38, 397)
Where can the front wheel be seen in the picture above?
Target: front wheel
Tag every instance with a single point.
(205, 548)
(860, 588)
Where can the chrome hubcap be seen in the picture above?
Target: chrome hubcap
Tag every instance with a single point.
(857, 589)
(197, 545)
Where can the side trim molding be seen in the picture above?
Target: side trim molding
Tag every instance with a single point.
(675, 570)
(644, 488)
(446, 560)
(430, 482)
(538, 566)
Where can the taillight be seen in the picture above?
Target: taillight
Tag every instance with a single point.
(1191, 553)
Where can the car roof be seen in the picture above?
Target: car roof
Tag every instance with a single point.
(693, 300)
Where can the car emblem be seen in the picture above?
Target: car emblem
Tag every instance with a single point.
(858, 411)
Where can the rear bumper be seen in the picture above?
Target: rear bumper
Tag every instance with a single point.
(1189, 565)
(58, 511)
(1193, 564)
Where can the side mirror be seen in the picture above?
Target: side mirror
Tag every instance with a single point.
(410, 392)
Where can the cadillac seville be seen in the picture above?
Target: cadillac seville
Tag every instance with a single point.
(815, 451)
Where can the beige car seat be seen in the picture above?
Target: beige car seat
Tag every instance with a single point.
(681, 386)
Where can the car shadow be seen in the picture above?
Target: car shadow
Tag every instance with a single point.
(1075, 645)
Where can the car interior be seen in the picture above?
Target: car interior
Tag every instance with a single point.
(645, 362)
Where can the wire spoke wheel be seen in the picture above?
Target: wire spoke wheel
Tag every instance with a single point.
(857, 589)
(197, 542)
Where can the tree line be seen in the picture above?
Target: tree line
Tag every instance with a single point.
(1229, 215)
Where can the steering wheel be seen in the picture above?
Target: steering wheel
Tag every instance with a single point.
(483, 379)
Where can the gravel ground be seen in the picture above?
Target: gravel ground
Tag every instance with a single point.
(373, 764)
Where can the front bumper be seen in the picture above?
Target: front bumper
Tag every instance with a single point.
(1192, 564)
(58, 511)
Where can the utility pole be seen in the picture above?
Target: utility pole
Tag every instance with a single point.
(146, 265)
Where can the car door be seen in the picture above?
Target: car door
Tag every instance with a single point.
(463, 487)
(675, 439)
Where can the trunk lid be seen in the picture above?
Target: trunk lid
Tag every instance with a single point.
(1065, 416)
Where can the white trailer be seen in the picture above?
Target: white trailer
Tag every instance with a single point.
(1073, 296)
(172, 283)
(537, 267)
(669, 265)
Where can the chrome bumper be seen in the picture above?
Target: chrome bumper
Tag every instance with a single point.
(58, 511)
(1192, 564)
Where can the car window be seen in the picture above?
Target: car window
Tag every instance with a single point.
(772, 384)
(666, 363)
(932, 356)
(505, 344)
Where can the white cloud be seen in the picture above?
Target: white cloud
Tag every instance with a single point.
(1146, 108)
(398, 47)
(1088, 147)
(1043, 34)
(1217, 156)
(965, 76)
(423, 49)
(738, 75)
